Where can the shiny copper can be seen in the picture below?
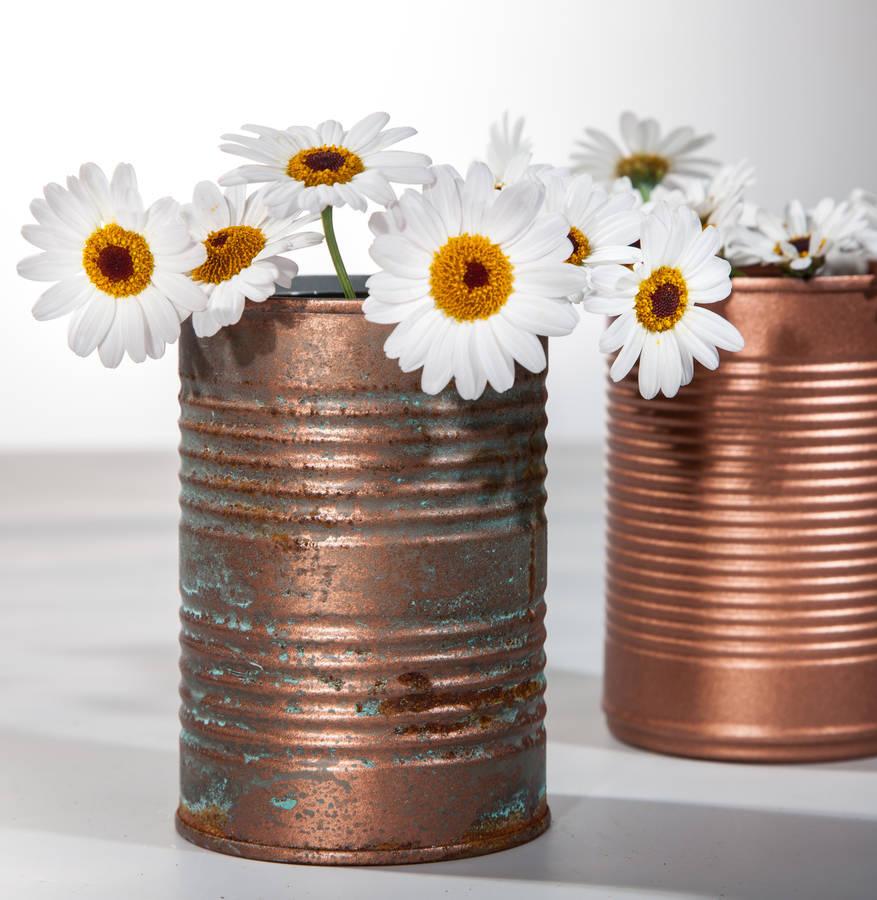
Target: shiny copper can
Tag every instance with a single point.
(742, 538)
(362, 569)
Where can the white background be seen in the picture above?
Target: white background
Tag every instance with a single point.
(787, 84)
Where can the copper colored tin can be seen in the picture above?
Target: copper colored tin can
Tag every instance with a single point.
(362, 569)
(742, 538)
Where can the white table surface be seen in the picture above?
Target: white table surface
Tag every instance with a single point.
(88, 732)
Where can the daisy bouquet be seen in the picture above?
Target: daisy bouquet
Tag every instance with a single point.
(474, 270)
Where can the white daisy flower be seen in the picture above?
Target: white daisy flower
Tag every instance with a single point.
(866, 203)
(315, 168)
(602, 226)
(660, 322)
(471, 278)
(508, 153)
(120, 269)
(718, 202)
(800, 241)
(242, 242)
(647, 159)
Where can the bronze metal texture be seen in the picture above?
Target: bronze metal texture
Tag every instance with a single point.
(362, 569)
(742, 538)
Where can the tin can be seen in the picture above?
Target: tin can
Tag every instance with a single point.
(742, 538)
(362, 570)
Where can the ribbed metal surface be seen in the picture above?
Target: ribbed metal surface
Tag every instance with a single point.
(742, 538)
(362, 576)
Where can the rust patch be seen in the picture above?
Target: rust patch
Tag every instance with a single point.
(423, 701)
(210, 820)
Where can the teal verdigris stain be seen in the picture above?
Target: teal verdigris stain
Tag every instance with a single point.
(513, 808)
(255, 757)
(287, 802)
(215, 797)
(369, 708)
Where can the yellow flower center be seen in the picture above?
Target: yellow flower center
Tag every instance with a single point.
(581, 247)
(661, 299)
(470, 278)
(801, 245)
(118, 262)
(229, 251)
(328, 164)
(643, 169)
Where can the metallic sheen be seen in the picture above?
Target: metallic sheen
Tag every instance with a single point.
(362, 569)
(742, 538)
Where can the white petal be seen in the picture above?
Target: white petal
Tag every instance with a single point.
(133, 326)
(498, 366)
(524, 347)
(476, 197)
(54, 265)
(438, 369)
(704, 353)
(709, 326)
(400, 256)
(112, 348)
(179, 289)
(629, 354)
(465, 376)
(539, 315)
(365, 130)
(547, 239)
(669, 364)
(63, 297)
(618, 333)
(557, 279)
(391, 288)
(161, 317)
(209, 207)
(512, 212)
(91, 324)
(649, 375)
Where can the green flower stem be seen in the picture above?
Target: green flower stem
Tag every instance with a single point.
(335, 253)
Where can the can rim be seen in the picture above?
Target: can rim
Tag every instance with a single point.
(321, 287)
(821, 284)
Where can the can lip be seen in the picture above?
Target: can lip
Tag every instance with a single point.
(821, 284)
(321, 287)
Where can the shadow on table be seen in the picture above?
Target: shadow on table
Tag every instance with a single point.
(87, 789)
(688, 849)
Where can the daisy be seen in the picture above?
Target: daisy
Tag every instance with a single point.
(470, 280)
(647, 158)
(120, 269)
(315, 168)
(602, 226)
(866, 203)
(242, 242)
(800, 241)
(660, 322)
(509, 152)
(718, 202)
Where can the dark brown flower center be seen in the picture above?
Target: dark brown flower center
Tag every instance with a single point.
(665, 300)
(323, 160)
(219, 239)
(115, 263)
(476, 275)
(801, 244)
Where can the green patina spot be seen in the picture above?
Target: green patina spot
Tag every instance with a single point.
(369, 708)
(287, 802)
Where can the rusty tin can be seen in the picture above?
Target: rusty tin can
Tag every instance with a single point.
(362, 569)
(742, 538)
